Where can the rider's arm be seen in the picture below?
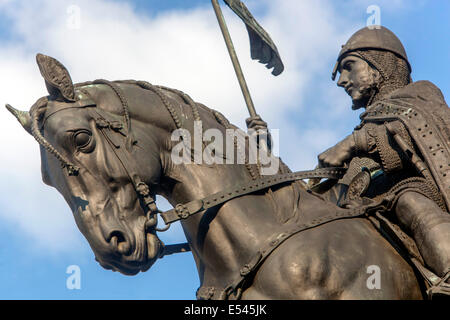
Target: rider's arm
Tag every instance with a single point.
(361, 142)
(374, 140)
(364, 140)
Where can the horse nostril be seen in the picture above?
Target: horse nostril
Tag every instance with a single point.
(119, 242)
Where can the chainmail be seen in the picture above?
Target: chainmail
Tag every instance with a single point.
(393, 69)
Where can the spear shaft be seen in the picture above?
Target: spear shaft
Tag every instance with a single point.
(234, 58)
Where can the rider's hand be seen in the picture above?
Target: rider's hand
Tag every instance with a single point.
(256, 123)
(338, 155)
(260, 129)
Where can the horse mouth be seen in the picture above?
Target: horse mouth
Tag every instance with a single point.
(130, 259)
(117, 241)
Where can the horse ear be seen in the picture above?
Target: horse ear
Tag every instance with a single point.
(23, 117)
(57, 78)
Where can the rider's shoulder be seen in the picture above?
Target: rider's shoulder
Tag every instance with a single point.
(423, 90)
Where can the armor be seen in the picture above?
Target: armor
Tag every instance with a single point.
(378, 38)
(416, 118)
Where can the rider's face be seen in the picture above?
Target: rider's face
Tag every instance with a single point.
(358, 79)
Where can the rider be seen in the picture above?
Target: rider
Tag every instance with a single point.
(390, 150)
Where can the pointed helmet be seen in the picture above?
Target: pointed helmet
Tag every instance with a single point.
(372, 38)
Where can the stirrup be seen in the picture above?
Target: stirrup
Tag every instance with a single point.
(441, 289)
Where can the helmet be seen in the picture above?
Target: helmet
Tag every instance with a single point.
(372, 38)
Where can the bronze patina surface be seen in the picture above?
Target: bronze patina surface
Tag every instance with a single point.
(399, 152)
(107, 147)
(404, 133)
(107, 154)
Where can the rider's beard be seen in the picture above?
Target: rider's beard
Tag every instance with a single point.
(363, 96)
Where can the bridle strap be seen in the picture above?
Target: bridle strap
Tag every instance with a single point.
(83, 102)
(119, 149)
(184, 211)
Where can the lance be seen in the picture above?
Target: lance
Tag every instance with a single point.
(262, 46)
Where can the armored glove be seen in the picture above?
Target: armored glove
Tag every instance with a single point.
(259, 127)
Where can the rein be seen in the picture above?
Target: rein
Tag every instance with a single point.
(184, 211)
(120, 139)
(122, 150)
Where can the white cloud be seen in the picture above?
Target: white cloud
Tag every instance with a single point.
(184, 50)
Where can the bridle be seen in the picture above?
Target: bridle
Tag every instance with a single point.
(112, 130)
(109, 128)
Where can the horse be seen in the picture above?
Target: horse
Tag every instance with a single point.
(108, 149)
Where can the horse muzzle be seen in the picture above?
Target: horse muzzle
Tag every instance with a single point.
(129, 249)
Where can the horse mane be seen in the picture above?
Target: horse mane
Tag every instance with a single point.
(39, 109)
(219, 118)
(160, 90)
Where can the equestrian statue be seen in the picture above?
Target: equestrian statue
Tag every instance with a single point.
(108, 148)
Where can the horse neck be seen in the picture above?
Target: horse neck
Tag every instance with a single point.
(228, 234)
(224, 237)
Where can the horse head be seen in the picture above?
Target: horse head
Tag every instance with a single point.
(87, 146)
(110, 147)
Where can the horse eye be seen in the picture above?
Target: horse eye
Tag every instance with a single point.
(82, 139)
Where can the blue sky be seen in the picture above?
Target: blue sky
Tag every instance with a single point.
(176, 43)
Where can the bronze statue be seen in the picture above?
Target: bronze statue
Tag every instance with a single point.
(404, 129)
(105, 146)
(399, 152)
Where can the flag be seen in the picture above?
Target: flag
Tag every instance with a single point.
(261, 45)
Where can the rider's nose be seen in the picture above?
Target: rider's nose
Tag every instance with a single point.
(119, 242)
(342, 82)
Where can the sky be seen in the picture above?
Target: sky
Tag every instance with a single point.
(176, 43)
